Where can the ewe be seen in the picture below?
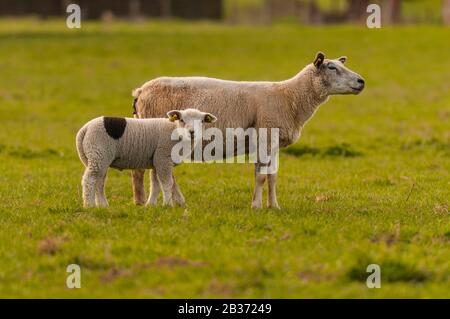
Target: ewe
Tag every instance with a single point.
(286, 105)
(128, 143)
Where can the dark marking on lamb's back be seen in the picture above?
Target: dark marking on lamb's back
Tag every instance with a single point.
(114, 126)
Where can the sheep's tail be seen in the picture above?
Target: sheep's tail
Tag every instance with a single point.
(79, 141)
(135, 94)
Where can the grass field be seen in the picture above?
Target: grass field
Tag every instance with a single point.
(368, 182)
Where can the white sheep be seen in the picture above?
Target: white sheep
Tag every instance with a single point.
(286, 105)
(128, 143)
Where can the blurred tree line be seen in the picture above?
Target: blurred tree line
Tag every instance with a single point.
(336, 11)
(241, 11)
(97, 9)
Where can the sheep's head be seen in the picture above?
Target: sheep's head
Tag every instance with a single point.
(191, 120)
(337, 78)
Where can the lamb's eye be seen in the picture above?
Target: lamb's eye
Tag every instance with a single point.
(331, 67)
(181, 121)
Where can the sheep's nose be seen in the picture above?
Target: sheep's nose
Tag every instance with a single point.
(192, 134)
(361, 81)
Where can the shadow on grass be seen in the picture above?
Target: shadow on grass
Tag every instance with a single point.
(27, 153)
(433, 144)
(340, 150)
(391, 271)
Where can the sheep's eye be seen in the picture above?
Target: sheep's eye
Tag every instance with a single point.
(331, 67)
(181, 120)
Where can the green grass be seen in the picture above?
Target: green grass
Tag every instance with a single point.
(368, 182)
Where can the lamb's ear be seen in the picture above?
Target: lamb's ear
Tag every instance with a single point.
(320, 57)
(174, 115)
(209, 118)
(343, 59)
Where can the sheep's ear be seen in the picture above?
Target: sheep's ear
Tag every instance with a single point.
(174, 115)
(320, 57)
(343, 59)
(209, 118)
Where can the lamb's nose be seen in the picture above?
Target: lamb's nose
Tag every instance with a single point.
(361, 81)
(192, 134)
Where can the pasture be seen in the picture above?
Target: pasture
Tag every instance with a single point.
(368, 181)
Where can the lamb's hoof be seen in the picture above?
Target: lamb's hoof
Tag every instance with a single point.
(256, 206)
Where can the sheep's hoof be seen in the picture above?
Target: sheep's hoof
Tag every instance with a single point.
(181, 204)
(151, 203)
(168, 203)
(274, 206)
(179, 201)
(87, 204)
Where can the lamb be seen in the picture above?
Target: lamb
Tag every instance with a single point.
(128, 143)
(286, 105)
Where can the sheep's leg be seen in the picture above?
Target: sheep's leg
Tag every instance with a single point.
(100, 197)
(259, 184)
(88, 183)
(272, 196)
(154, 188)
(164, 173)
(177, 196)
(138, 186)
(264, 170)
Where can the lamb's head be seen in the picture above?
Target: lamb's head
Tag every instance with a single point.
(191, 120)
(337, 78)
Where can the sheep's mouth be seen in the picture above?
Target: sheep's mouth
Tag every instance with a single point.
(357, 90)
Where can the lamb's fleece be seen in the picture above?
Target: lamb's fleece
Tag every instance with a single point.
(141, 140)
(126, 143)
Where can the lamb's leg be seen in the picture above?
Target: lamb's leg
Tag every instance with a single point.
(163, 167)
(272, 196)
(138, 186)
(177, 196)
(88, 183)
(165, 178)
(100, 197)
(259, 183)
(154, 188)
